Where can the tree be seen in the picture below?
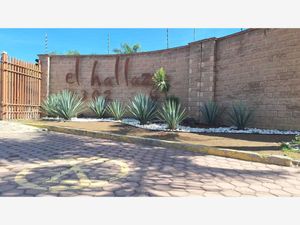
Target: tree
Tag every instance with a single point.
(54, 53)
(127, 49)
(160, 81)
(69, 52)
(72, 52)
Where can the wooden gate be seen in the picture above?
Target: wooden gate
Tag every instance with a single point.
(20, 89)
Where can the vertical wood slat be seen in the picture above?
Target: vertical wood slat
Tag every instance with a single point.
(9, 89)
(20, 96)
(19, 92)
(3, 85)
(4, 75)
(14, 86)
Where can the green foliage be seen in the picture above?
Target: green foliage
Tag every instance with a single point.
(293, 146)
(72, 52)
(64, 104)
(69, 52)
(69, 105)
(98, 106)
(116, 110)
(211, 112)
(172, 114)
(54, 53)
(127, 49)
(240, 116)
(143, 108)
(173, 98)
(161, 82)
(49, 105)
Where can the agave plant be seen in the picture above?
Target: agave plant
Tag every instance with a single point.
(98, 106)
(173, 98)
(49, 105)
(143, 108)
(172, 114)
(68, 105)
(240, 116)
(116, 110)
(161, 82)
(211, 112)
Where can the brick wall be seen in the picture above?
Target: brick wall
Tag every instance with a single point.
(258, 66)
(262, 68)
(140, 67)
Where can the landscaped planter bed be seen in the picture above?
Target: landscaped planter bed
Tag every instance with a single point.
(265, 144)
(163, 127)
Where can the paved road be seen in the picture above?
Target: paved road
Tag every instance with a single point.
(35, 163)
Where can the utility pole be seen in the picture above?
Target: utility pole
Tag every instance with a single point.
(167, 38)
(108, 43)
(46, 43)
(194, 35)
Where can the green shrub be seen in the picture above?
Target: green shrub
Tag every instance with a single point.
(142, 108)
(116, 110)
(172, 114)
(240, 116)
(211, 112)
(160, 81)
(68, 105)
(98, 106)
(49, 106)
(293, 146)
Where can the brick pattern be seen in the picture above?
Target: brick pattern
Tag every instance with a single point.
(174, 62)
(44, 81)
(259, 67)
(201, 75)
(153, 171)
(262, 69)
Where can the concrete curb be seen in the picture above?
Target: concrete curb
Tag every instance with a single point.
(229, 153)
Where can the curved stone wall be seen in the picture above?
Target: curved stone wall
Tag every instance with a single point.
(258, 66)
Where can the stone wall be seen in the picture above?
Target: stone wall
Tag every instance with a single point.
(258, 66)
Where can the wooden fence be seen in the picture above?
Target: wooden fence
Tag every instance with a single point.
(20, 93)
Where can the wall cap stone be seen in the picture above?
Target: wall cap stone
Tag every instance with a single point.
(156, 51)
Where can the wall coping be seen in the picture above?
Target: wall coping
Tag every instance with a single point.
(114, 55)
(241, 32)
(160, 50)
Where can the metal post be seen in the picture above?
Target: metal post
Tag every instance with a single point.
(46, 43)
(194, 35)
(108, 43)
(167, 38)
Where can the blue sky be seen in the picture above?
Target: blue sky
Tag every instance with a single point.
(25, 43)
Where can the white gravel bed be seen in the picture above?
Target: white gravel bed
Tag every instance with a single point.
(14, 127)
(163, 127)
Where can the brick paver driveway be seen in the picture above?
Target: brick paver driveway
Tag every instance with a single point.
(51, 164)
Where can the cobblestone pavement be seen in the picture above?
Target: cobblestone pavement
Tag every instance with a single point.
(52, 164)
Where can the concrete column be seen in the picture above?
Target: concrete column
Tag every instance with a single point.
(201, 75)
(45, 64)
